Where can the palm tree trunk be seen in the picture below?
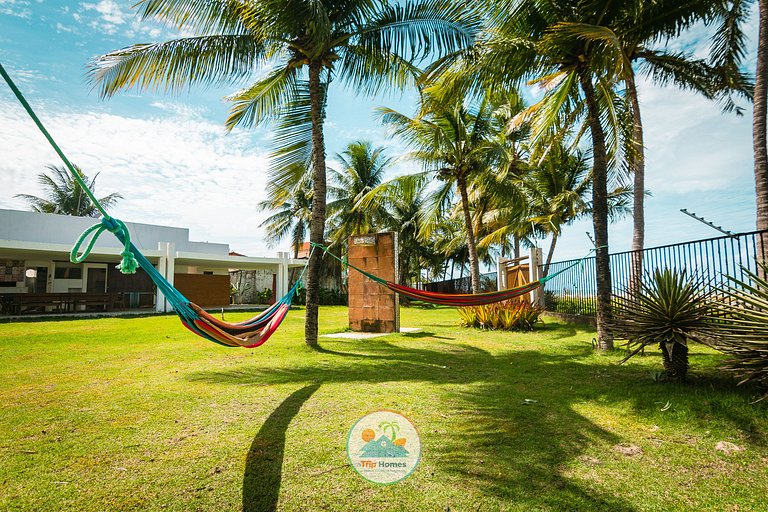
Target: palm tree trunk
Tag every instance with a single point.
(638, 193)
(317, 223)
(517, 246)
(474, 264)
(549, 254)
(599, 213)
(759, 128)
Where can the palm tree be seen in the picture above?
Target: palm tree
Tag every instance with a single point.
(558, 194)
(65, 196)
(293, 211)
(401, 203)
(453, 143)
(362, 170)
(299, 46)
(759, 121)
(639, 33)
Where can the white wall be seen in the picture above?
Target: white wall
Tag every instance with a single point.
(65, 229)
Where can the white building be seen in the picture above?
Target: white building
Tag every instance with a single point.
(35, 269)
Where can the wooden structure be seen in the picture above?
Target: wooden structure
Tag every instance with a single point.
(516, 272)
(372, 307)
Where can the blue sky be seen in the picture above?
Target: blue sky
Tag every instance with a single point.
(173, 162)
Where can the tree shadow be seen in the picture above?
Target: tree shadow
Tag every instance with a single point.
(512, 425)
(264, 462)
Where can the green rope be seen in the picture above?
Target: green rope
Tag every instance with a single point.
(368, 275)
(128, 265)
(579, 262)
(75, 174)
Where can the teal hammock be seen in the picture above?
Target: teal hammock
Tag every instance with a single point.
(250, 333)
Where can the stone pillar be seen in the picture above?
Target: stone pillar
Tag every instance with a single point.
(373, 307)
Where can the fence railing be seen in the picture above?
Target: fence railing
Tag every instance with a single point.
(463, 284)
(713, 260)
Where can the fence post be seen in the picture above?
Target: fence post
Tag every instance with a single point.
(535, 274)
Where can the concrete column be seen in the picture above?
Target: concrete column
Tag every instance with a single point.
(535, 274)
(160, 303)
(166, 266)
(285, 275)
(501, 274)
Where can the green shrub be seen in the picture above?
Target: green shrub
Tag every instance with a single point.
(570, 305)
(264, 296)
(328, 297)
(511, 315)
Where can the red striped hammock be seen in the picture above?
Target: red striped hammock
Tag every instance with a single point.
(452, 299)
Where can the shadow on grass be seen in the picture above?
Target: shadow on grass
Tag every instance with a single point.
(515, 426)
(264, 462)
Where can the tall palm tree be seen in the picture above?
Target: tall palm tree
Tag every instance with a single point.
(453, 143)
(558, 193)
(362, 170)
(292, 209)
(299, 47)
(402, 203)
(759, 120)
(63, 195)
(642, 34)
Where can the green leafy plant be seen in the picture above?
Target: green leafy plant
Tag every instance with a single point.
(508, 316)
(743, 328)
(264, 296)
(669, 309)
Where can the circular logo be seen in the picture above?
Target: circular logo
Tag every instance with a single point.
(384, 447)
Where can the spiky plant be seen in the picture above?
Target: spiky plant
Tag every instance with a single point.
(744, 328)
(669, 309)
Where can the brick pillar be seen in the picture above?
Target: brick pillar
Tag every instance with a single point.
(373, 307)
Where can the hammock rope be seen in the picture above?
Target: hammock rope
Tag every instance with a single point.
(249, 334)
(456, 299)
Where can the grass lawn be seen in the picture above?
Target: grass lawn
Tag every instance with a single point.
(138, 414)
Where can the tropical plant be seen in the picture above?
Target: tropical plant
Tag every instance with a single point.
(549, 196)
(63, 195)
(299, 46)
(759, 124)
(670, 309)
(453, 144)
(511, 315)
(292, 209)
(728, 50)
(362, 170)
(743, 331)
(400, 204)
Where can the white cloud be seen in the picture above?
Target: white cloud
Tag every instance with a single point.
(16, 8)
(178, 170)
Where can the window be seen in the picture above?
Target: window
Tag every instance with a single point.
(68, 272)
(207, 273)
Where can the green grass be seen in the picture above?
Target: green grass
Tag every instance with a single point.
(137, 414)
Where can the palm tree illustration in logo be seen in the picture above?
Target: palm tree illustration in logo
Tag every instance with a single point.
(394, 428)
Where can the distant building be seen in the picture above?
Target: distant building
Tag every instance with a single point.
(37, 276)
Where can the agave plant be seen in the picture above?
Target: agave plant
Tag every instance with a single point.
(744, 328)
(669, 309)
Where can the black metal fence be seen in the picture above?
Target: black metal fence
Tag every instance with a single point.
(463, 284)
(714, 260)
